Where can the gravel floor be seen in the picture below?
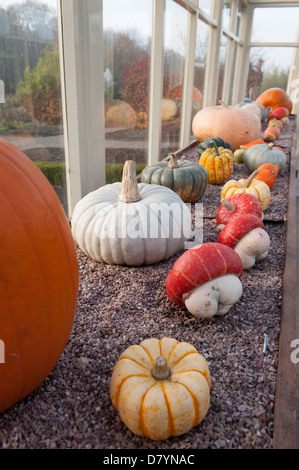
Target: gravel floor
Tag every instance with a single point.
(119, 306)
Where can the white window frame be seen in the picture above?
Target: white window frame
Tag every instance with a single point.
(80, 27)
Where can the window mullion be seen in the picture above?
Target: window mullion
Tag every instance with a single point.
(186, 111)
(156, 81)
(242, 57)
(81, 39)
(212, 66)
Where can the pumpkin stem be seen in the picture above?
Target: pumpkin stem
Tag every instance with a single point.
(161, 371)
(129, 188)
(249, 180)
(223, 104)
(215, 147)
(228, 205)
(270, 146)
(173, 161)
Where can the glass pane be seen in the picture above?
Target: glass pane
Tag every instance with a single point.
(127, 32)
(275, 24)
(266, 71)
(31, 112)
(176, 24)
(238, 20)
(205, 5)
(226, 15)
(222, 55)
(201, 56)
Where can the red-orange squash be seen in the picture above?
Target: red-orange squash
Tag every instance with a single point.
(268, 173)
(38, 276)
(271, 134)
(250, 144)
(275, 98)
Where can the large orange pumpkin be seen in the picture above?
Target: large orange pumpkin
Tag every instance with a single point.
(38, 276)
(275, 98)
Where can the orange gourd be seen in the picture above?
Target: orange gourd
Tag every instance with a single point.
(38, 276)
(268, 173)
(269, 166)
(275, 98)
(250, 144)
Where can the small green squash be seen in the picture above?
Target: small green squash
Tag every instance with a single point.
(188, 179)
(257, 155)
(208, 144)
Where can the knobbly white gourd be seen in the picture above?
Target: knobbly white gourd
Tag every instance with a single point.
(215, 297)
(253, 247)
(131, 224)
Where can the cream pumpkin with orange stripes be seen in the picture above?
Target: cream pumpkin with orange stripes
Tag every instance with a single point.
(257, 188)
(161, 388)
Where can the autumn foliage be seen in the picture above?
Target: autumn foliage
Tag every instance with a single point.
(40, 90)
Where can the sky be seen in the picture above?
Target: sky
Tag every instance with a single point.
(268, 25)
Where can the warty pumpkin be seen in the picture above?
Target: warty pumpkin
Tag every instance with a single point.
(232, 124)
(206, 280)
(161, 388)
(219, 163)
(38, 276)
(257, 188)
(188, 179)
(129, 223)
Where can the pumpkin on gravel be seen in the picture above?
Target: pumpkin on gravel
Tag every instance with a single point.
(268, 173)
(39, 276)
(206, 280)
(256, 155)
(161, 388)
(246, 235)
(257, 188)
(131, 224)
(275, 97)
(238, 204)
(208, 144)
(232, 124)
(188, 179)
(219, 163)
